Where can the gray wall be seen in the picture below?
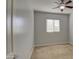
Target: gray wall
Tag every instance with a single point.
(41, 36)
(23, 30)
(71, 28)
(8, 27)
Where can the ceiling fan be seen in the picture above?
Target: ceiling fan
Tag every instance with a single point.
(62, 4)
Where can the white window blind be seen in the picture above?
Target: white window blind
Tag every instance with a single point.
(52, 25)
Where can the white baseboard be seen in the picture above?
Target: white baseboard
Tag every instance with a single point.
(31, 52)
(10, 56)
(71, 43)
(47, 44)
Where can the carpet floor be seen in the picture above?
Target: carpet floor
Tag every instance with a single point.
(64, 51)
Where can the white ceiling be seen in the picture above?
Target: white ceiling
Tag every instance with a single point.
(47, 5)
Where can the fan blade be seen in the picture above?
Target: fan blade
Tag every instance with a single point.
(69, 6)
(68, 2)
(57, 3)
(56, 7)
(62, 1)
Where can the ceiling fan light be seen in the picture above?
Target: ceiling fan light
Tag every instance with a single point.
(62, 7)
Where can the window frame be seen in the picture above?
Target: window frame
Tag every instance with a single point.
(48, 29)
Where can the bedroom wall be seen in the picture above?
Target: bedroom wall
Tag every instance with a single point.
(23, 30)
(8, 28)
(42, 37)
(71, 28)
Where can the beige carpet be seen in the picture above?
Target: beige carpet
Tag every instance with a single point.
(53, 52)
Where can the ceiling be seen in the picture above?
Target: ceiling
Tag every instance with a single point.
(47, 5)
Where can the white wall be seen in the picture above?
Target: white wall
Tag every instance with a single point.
(71, 28)
(23, 29)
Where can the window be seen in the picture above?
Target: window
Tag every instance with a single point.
(52, 25)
